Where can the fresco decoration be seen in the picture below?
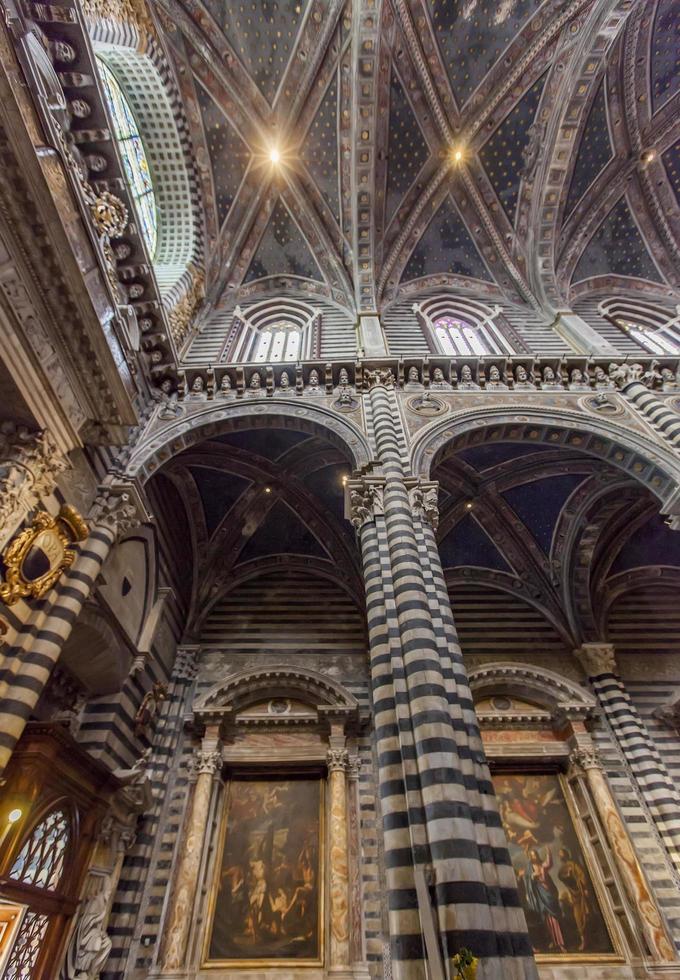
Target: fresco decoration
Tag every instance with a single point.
(555, 887)
(267, 901)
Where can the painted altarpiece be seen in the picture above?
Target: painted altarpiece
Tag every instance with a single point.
(582, 889)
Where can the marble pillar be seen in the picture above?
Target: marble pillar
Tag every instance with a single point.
(338, 859)
(206, 765)
(632, 875)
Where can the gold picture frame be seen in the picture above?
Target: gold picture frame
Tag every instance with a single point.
(600, 895)
(263, 963)
(37, 556)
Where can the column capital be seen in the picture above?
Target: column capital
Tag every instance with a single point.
(379, 377)
(120, 508)
(353, 768)
(424, 498)
(597, 658)
(205, 762)
(363, 501)
(584, 757)
(337, 759)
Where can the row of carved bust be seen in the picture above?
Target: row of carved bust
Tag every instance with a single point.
(210, 384)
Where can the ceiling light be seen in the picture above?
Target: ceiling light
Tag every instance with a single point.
(267, 489)
(456, 154)
(468, 505)
(14, 815)
(275, 154)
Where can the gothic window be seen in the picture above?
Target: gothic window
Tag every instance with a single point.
(276, 343)
(459, 327)
(41, 860)
(456, 336)
(132, 151)
(656, 331)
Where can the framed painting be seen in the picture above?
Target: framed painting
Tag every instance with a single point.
(267, 896)
(563, 911)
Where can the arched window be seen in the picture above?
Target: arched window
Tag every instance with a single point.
(465, 328)
(38, 869)
(655, 330)
(276, 343)
(132, 151)
(457, 336)
(40, 861)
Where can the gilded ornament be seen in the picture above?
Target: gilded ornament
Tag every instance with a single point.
(36, 557)
(109, 214)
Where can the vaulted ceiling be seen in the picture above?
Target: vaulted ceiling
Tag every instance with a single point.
(565, 115)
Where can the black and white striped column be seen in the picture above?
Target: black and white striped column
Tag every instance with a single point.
(443, 822)
(40, 639)
(654, 410)
(662, 798)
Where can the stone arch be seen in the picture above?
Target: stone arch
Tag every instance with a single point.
(539, 686)
(651, 464)
(214, 420)
(276, 681)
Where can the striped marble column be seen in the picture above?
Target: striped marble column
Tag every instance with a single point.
(472, 887)
(654, 410)
(599, 663)
(39, 642)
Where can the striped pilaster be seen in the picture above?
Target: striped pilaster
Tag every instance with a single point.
(474, 894)
(40, 640)
(639, 751)
(654, 410)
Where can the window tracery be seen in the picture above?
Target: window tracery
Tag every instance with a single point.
(132, 151)
(280, 342)
(654, 329)
(462, 328)
(273, 333)
(40, 861)
(27, 946)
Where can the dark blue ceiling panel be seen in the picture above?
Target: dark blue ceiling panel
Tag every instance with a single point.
(407, 149)
(671, 161)
(494, 453)
(219, 491)
(446, 246)
(538, 504)
(468, 544)
(502, 154)
(320, 149)
(665, 53)
(617, 248)
(270, 443)
(262, 33)
(282, 533)
(594, 152)
(326, 484)
(652, 544)
(283, 251)
(228, 153)
(472, 35)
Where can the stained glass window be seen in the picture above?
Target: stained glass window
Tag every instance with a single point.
(134, 158)
(40, 861)
(27, 946)
(665, 340)
(457, 336)
(280, 342)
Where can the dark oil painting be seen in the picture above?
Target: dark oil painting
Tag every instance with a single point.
(555, 886)
(267, 902)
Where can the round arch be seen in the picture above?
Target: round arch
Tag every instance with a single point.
(277, 680)
(652, 465)
(213, 421)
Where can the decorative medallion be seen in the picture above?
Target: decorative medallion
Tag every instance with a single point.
(38, 555)
(426, 405)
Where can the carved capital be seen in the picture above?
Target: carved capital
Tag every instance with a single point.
(119, 508)
(205, 762)
(185, 666)
(596, 658)
(424, 503)
(354, 768)
(337, 759)
(385, 378)
(585, 758)
(365, 502)
(29, 467)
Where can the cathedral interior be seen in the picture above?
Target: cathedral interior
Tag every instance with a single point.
(340, 489)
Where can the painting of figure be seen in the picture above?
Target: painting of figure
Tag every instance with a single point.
(267, 903)
(556, 890)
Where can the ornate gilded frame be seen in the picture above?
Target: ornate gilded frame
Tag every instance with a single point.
(54, 537)
(265, 964)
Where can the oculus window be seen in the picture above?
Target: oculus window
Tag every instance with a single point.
(132, 151)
